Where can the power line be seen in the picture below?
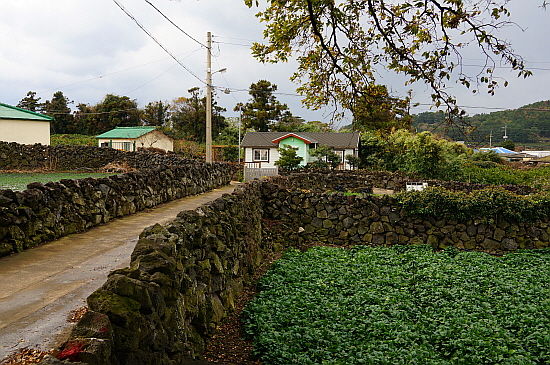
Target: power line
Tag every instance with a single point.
(156, 41)
(174, 24)
(234, 44)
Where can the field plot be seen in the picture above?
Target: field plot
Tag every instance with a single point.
(403, 305)
(19, 182)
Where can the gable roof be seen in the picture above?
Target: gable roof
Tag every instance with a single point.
(126, 132)
(12, 112)
(279, 139)
(271, 139)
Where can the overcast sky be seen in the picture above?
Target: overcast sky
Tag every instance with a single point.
(88, 49)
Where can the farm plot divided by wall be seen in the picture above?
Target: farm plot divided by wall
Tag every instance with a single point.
(185, 274)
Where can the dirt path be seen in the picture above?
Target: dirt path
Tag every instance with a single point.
(40, 287)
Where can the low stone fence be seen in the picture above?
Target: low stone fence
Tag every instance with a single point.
(357, 180)
(30, 157)
(182, 280)
(46, 212)
(334, 218)
(184, 275)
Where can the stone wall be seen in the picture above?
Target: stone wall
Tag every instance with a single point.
(184, 275)
(29, 157)
(359, 179)
(46, 212)
(182, 280)
(371, 220)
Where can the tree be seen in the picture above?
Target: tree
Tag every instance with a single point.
(30, 102)
(156, 113)
(83, 118)
(113, 111)
(315, 126)
(188, 116)
(58, 108)
(263, 110)
(508, 144)
(325, 157)
(378, 110)
(342, 46)
(288, 158)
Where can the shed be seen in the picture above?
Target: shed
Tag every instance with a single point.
(23, 126)
(132, 138)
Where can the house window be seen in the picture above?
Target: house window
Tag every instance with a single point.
(261, 155)
(341, 155)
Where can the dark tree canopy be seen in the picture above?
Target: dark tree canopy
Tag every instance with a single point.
(342, 46)
(156, 113)
(188, 116)
(263, 111)
(113, 111)
(31, 102)
(58, 108)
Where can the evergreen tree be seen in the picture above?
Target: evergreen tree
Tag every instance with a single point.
(58, 108)
(263, 111)
(31, 102)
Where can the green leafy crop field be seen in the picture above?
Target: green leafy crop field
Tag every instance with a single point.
(20, 181)
(403, 305)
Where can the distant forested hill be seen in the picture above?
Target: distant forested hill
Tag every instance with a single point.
(528, 124)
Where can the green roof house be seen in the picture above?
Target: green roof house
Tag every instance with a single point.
(132, 138)
(23, 126)
(261, 148)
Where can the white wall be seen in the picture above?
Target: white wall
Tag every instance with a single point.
(25, 131)
(155, 139)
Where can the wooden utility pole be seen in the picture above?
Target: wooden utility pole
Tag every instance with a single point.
(208, 97)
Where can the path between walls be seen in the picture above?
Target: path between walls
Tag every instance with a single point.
(41, 286)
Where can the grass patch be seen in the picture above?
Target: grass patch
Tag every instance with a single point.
(72, 139)
(19, 181)
(402, 305)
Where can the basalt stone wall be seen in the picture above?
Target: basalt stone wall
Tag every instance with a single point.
(357, 180)
(182, 280)
(46, 212)
(37, 156)
(184, 275)
(347, 220)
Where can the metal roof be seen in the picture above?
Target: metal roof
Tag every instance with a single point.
(12, 112)
(334, 140)
(498, 150)
(126, 132)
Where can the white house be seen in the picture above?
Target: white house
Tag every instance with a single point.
(23, 126)
(132, 138)
(261, 148)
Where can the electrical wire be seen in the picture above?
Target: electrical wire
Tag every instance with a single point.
(156, 41)
(174, 24)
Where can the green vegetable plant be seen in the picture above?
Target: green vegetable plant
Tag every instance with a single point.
(402, 305)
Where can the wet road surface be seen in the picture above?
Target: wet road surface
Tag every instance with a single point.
(41, 286)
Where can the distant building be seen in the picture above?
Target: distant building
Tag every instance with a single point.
(261, 148)
(23, 126)
(133, 138)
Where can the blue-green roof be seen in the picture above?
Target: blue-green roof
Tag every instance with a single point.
(12, 112)
(126, 132)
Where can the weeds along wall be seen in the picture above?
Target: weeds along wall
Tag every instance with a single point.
(302, 216)
(358, 180)
(47, 212)
(182, 280)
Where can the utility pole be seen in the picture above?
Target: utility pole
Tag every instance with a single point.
(208, 97)
(505, 134)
